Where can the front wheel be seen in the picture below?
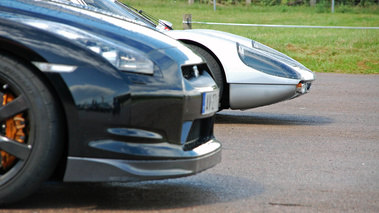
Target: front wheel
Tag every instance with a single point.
(30, 140)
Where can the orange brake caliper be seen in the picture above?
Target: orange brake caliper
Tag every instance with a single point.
(13, 130)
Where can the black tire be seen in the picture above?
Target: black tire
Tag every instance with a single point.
(28, 108)
(216, 71)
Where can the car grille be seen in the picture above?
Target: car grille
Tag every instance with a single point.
(201, 132)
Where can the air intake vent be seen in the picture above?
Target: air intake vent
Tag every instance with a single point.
(201, 132)
(193, 71)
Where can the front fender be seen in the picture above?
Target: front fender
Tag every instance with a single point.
(224, 47)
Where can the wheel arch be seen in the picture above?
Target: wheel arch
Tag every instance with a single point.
(25, 55)
(225, 95)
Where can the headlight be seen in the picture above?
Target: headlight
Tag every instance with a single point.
(118, 54)
(305, 73)
(265, 63)
(278, 55)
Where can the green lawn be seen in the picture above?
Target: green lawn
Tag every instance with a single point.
(322, 50)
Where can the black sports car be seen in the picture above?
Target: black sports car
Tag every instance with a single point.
(86, 100)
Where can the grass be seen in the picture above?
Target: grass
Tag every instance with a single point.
(322, 50)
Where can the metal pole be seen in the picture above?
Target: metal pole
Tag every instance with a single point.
(332, 6)
(214, 5)
(187, 21)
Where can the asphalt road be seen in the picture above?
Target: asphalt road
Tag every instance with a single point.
(316, 153)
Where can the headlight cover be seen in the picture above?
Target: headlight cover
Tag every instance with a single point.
(118, 54)
(265, 48)
(265, 63)
(279, 55)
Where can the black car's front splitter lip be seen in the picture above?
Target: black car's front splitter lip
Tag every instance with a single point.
(105, 170)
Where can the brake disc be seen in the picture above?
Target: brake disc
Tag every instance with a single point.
(14, 130)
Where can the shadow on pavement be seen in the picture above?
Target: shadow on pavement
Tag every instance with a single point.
(201, 189)
(244, 117)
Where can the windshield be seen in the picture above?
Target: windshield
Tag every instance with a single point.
(121, 9)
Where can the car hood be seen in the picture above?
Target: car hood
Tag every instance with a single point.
(214, 33)
(135, 35)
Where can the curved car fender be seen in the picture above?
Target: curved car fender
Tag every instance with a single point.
(223, 45)
(75, 89)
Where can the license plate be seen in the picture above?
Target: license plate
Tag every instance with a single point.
(210, 102)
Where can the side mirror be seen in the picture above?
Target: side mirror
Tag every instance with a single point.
(164, 25)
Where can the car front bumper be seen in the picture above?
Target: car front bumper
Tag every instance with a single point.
(245, 96)
(187, 163)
